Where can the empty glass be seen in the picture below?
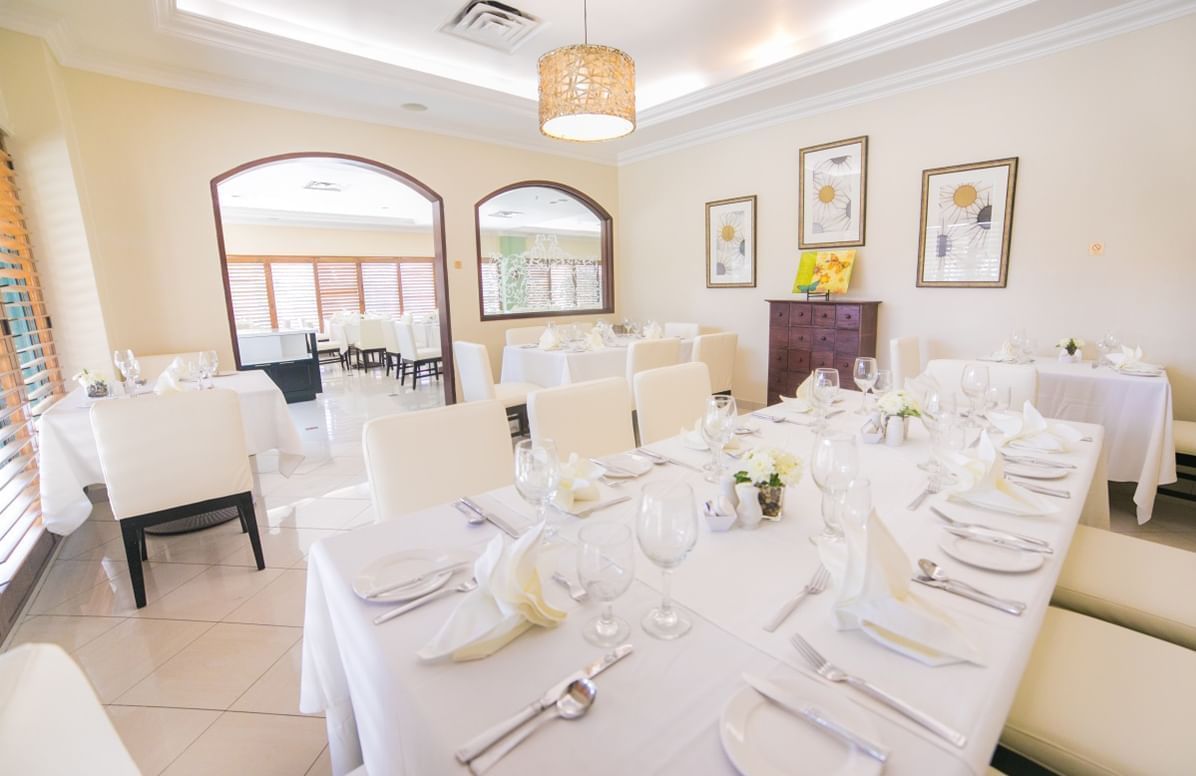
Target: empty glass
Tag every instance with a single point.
(974, 382)
(834, 462)
(855, 502)
(1108, 344)
(936, 406)
(667, 529)
(606, 568)
(864, 375)
(122, 359)
(537, 473)
(997, 398)
(718, 426)
(209, 362)
(884, 382)
(824, 391)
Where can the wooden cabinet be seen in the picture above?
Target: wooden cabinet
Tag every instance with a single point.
(803, 336)
(299, 378)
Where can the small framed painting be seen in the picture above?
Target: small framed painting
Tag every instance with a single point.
(731, 243)
(833, 194)
(967, 220)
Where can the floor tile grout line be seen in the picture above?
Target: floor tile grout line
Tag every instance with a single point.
(286, 652)
(165, 660)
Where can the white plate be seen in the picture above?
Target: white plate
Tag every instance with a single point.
(991, 556)
(636, 464)
(762, 739)
(405, 565)
(1031, 472)
(1142, 372)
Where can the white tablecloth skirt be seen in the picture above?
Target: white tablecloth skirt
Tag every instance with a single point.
(550, 368)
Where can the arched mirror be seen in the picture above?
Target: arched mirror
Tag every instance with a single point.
(544, 249)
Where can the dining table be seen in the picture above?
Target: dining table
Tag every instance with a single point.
(672, 706)
(69, 460)
(549, 368)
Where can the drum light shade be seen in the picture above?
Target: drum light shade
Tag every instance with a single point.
(587, 93)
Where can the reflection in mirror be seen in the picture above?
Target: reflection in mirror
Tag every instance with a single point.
(542, 250)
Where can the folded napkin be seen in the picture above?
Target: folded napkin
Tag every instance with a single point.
(871, 577)
(980, 481)
(1031, 430)
(1131, 359)
(549, 340)
(168, 381)
(594, 340)
(653, 330)
(578, 482)
(508, 600)
(803, 390)
(1004, 354)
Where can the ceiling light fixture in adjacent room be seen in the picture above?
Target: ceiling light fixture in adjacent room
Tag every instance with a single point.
(414, 107)
(587, 92)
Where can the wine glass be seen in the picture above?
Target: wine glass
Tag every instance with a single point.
(1108, 344)
(208, 364)
(606, 567)
(884, 382)
(824, 391)
(834, 462)
(537, 474)
(998, 398)
(718, 426)
(864, 374)
(936, 406)
(667, 528)
(855, 502)
(122, 359)
(974, 382)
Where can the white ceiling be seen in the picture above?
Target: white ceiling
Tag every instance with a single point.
(704, 68)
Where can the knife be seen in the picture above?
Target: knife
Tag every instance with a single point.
(456, 566)
(1013, 544)
(1034, 488)
(667, 459)
(1000, 532)
(612, 469)
(587, 511)
(817, 718)
(951, 586)
(502, 524)
(1029, 461)
(487, 738)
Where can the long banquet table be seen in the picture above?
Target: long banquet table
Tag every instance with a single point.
(69, 459)
(550, 368)
(658, 710)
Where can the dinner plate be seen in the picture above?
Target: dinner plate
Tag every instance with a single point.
(763, 739)
(993, 557)
(637, 465)
(1141, 372)
(1035, 472)
(405, 565)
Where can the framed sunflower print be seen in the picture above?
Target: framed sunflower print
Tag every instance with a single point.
(731, 243)
(967, 219)
(834, 189)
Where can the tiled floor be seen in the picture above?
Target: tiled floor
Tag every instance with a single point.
(205, 678)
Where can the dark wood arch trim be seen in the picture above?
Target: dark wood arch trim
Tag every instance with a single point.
(608, 251)
(440, 263)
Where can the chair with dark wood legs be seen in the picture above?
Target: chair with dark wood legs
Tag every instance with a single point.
(415, 360)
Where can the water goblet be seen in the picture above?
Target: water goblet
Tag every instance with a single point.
(824, 391)
(864, 375)
(666, 527)
(718, 427)
(606, 568)
(834, 462)
(884, 382)
(209, 362)
(974, 382)
(537, 475)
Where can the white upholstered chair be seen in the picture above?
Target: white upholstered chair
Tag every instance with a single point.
(905, 359)
(418, 459)
(414, 359)
(51, 721)
(670, 399)
(525, 335)
(173, 456)
(1020, 379)
(371, 342)
(391, 356)
(682, 330)
(717, 352)
(651, 354)
(477, 382)
(591, 418)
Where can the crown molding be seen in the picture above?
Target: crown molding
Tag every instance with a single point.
(1083, 31)
(301, 219)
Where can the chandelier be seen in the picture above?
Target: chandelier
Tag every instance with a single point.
(587, 92)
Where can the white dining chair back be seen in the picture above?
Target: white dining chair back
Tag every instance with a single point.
(407, 346)
(651, 354)
(371, 334)
(525, 335)
(682, 330)
(473, 370)
(419, 459)
(390, 337)
(153, 366)
(591, 418)
(1020, 379)
(670, 399)
(905, 359)
(51, 721)
(717, 352)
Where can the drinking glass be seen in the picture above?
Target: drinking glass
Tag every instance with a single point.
(1108, 344)
(864, 374)
(1018, 341)
(667, 528)
(834, 462)
(824, 391)
(122, 359)
(606, 567)
(936, 406)
(536, 476)
(718, 426)
(974, 382)
(855, 502)
(209, 362)
(884, 382)
(998, 398)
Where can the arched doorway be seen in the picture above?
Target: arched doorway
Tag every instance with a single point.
(435, 204)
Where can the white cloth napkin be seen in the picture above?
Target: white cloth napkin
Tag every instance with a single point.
(578, 482)
(1004, 354)
(508, 600)
(1131, 359)
(168, 381)
(1032, 431)
(980, 481)
(653, 330)
(871, 576)
(549, 340)
(594, 339)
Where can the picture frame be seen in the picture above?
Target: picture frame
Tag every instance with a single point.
(832, 196)
(966, 224)
(731, 243)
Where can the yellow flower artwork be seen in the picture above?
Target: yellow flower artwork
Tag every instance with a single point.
(831, 270)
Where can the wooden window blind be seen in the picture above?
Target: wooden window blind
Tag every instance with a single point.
(419, 286)
(380, 284)
(293, 286)
(30, 379)
(339, 287)
(251, 301)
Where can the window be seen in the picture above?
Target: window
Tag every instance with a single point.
(543, 249)
(297, 291)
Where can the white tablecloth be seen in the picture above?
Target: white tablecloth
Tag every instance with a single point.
(658, 710)
(69, 460)
(1135, 411)
(550, 368)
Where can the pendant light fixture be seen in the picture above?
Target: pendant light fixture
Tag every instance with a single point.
(587, 92)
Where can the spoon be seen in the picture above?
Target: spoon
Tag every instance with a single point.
(573, 703)
(471, 517)
(933, 576)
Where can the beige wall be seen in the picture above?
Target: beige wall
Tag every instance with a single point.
(1105, 135)
(280, 240)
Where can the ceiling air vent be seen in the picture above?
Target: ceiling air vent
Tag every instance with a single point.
(323, 186)
(494, 25)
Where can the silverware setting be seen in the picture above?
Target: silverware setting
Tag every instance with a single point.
(931, 487)
(933, 576)
(815, 586)
(1036, 488)
(998, 532)
(612, 468)
(1012, 544)
(1027, 460)
(657, 457)
(471, 517)
(782, 419)
(833, 673)
(587, 511)
(486, 515)
(576, 592)
(410, 581)
(818, 718)
(445, 592)
(573, 704)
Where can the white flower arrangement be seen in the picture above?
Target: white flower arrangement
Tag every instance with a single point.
(770, 467)
(899, 404)
(1070, 344)
(88, 379)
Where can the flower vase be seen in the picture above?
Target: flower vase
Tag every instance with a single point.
(749, 510)
(97, 390)
(896, 428)
(772, 500)
(1071, 358)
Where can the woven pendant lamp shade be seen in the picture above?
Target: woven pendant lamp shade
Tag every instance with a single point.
(587, 93)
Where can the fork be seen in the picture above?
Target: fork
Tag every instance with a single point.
(815, 586)
(835, 674)
(576, 592)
